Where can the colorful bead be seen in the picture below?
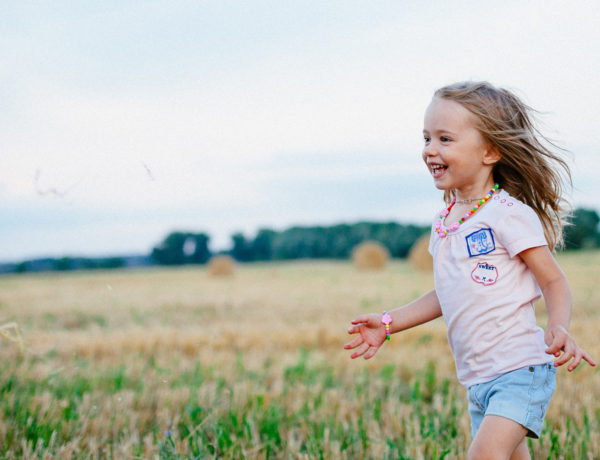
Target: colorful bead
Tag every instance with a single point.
(439, 227)
(386, 319)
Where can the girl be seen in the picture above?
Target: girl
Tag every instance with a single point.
(492, 257)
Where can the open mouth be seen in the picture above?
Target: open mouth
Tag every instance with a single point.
(437, 170)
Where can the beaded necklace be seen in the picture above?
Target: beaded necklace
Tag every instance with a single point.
(442, 230)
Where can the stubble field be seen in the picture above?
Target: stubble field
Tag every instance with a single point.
(174, 363)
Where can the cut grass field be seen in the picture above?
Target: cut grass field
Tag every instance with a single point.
(174, 363)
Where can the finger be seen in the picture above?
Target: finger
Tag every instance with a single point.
(361, 351)
(371, 352)
(588, 358)
(360, 319)
(575, 362)
(554, 348)
(567, 355)
(353, 344)
(355, 329)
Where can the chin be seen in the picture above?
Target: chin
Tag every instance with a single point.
(440, 186)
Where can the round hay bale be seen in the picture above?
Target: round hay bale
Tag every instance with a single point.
(419, 256)
(221, 265)
(370, 255)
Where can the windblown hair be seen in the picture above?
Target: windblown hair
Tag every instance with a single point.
(528, 169)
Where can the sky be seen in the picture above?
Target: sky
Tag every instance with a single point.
(122, 121)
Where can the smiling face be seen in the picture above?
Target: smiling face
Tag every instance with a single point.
(456, 154)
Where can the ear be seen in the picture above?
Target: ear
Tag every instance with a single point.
(491, 155)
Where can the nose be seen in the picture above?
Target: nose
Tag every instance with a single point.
(429, 150)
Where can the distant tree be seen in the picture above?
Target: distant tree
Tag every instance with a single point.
(242, 248)
(63, 264)
(262, 246)
(180, 248)
(583, 231)
(170, 251)
(198, 252)
(22, 267)
(89, 264)
(111, 263)
(341, 241)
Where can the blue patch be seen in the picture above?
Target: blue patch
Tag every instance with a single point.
(480, 242)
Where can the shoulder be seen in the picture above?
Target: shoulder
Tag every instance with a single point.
(517, 224)
(507, 205)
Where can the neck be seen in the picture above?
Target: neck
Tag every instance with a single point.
(474, 192)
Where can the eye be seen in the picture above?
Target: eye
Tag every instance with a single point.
(427, 139)
(445, 139)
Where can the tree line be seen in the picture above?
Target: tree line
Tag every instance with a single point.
(335, 242)
(314, 242)
(318, 242)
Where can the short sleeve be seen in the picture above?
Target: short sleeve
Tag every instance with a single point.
(520, 229)
(432, 239)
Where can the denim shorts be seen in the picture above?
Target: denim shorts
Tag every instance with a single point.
(522, 395)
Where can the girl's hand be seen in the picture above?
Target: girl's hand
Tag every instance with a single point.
(559, 341)
(372, 335)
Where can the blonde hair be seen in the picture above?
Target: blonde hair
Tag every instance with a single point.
(527, 169)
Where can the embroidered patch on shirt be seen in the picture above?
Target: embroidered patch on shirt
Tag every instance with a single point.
(484, 273)
(480, 242)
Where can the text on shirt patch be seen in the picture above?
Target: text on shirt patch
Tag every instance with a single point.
(480, 242)
(484, 273)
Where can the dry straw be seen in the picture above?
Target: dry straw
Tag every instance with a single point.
(419, 256)
(221, 265)
(370, 255)
(12, 333)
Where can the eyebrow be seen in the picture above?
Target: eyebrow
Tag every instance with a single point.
(447, 131)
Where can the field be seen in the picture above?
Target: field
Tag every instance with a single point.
(174, 363)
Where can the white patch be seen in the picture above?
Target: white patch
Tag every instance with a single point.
(484, 273)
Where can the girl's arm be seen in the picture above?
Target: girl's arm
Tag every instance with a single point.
(557, 296)
(372, 331)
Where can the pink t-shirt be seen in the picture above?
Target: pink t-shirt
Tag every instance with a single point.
(487, 292)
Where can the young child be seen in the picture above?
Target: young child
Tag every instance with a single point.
(492, 258)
